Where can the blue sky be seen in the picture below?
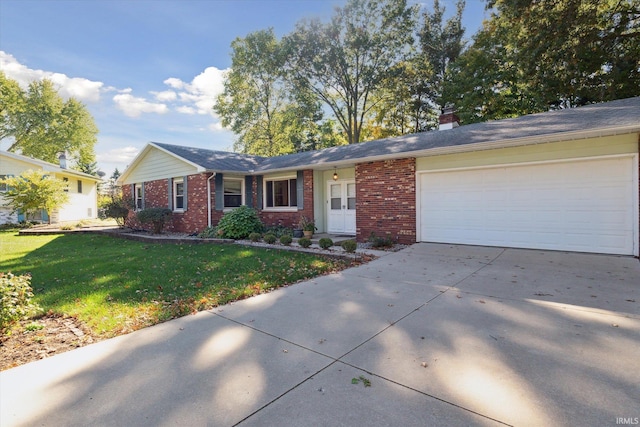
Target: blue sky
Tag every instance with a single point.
(148, 70)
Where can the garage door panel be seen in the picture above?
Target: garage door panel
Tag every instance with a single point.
(582, 206)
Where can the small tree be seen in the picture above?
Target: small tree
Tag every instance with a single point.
(158, 217)
(32, 191)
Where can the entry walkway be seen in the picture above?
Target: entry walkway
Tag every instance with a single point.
(430, 335)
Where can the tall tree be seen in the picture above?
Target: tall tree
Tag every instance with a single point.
(546, 54)
(39, 123)
(344, 61)
(258, 105)
(441, 42)
(32, 191)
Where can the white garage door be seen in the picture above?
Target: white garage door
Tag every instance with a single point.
(584, 206)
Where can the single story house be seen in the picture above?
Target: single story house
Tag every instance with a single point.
(559, 180)
(82, 189)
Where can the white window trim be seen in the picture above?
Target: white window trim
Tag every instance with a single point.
(264, 195)
(136, 187)
(174, 193)
(242, 193)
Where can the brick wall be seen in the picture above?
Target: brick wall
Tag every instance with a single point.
(194, 219)
(386, 200)
(291, 219)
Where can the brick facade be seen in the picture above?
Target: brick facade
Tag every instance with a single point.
(386, 200)
(194, 219)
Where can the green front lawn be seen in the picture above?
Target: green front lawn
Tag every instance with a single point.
(116, 286)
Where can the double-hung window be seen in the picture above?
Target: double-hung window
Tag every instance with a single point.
(232, 193)
(79, 187)
(178, 194)
(3, 186)
(281, 193)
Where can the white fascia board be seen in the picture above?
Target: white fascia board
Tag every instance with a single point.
(145, 150)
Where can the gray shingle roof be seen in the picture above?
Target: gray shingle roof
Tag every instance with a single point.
(614, 114)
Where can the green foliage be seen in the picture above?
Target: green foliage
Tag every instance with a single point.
(306, 224)
(304, 242)
(365, 381)
(115, 207)
(15, 298)
(158, 217)
(286, 239)
(32, 191)
(270, 238)
(380, 241)
(527, 58)
(239, 223)
(349, 246)
(209, 233)
(343, 62)
(278, 230)
(255, 237)
(258, 104)
(325, 243)
(42, 124)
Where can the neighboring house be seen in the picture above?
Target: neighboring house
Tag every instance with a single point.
(82, 189)
(560, 180)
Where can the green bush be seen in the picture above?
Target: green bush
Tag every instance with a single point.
(239, 223)
(379, 241)
(349, 246)
(15, 298)
(208, 233)
(114, 207)
(278, 230)
(158, 217)
(325, 243)
(286, 239)
(270, 238)
(305, 242)
(255, 237)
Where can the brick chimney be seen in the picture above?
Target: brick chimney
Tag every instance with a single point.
(448, 118)
(63, 161)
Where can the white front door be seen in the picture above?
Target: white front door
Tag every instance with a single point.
(341, 207)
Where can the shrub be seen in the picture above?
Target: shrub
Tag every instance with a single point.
(158, 217)
(278, 230)
(208, 233)
(239, 223)
(255, 237)
(116, 208)
(15, 298)
(349, 246)
(305, 242)
(325, 243)
(379, 241)
(286, 239)
(270, 238)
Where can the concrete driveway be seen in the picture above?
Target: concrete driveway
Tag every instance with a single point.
(431, 335)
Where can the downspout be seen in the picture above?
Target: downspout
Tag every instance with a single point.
(209, 199)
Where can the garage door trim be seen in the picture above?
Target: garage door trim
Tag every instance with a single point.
(635, 186)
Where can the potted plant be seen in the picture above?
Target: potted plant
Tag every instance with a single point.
(307, 226)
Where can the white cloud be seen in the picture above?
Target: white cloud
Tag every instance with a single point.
(118, 155)
(77, 87)
(199, 95)
(133, 106)
(164, 96)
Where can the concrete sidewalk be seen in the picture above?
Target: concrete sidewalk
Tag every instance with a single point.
(443, 334)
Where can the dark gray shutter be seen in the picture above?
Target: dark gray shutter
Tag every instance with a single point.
(259, 191)
(170, 191)
(300, 189)
(184, 192)
(219, 188)
(248, 191)
(133, 197)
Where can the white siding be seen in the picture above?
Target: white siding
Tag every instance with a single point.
(156, 165)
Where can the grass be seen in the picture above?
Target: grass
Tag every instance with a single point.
(116, 286)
